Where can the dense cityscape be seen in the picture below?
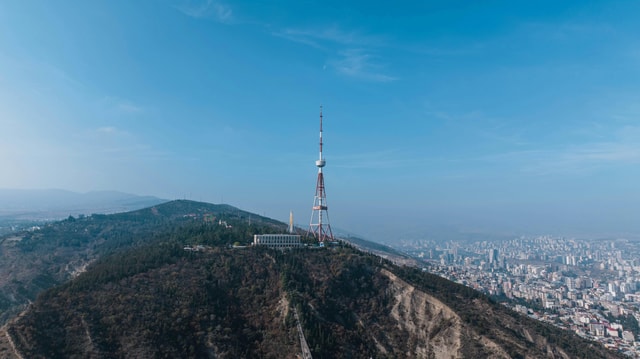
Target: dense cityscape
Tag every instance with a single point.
(590, 287)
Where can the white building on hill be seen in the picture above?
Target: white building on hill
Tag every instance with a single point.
(277, 240)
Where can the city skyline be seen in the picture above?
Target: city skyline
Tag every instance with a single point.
(486, 117)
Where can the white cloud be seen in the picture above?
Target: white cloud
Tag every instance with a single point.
(119, 106)
(359, 63)
(355, 51)
(128, 107)
(577, 159)
(207, 9)
(299, 36)
(331, 34)
(603, 153)
(112, 131)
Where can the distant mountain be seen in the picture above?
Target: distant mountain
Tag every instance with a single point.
(54, 204)
(135, 292)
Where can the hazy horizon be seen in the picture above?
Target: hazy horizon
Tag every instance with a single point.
(413, 226)
(497, 117)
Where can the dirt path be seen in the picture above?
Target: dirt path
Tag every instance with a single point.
(306, 353)
(8, 348)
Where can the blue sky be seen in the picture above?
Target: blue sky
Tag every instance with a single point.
(482, 116)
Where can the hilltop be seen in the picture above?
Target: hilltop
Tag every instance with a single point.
(154, 299)
(35, 260)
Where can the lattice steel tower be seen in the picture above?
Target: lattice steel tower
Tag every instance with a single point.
(319, 229)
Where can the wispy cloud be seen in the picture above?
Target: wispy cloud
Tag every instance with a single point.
(299, 36)
(207, 9)
(453, 50)
(567, 31)
(577, 160)
(354, 52)
(603, 153)
(117, 144)
(386, 159)
(321, 37)
(128, 107)
(479, 124)
(121, 106)
(360, 64)
(111, 131)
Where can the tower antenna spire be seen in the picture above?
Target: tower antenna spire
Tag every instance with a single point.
(319, 229)
(321, 132)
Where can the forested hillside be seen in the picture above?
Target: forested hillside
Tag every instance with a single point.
(32, 261)
(158, 300)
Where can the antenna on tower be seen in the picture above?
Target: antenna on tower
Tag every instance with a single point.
(321, 231)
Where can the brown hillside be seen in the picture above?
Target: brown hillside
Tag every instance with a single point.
(230, 303)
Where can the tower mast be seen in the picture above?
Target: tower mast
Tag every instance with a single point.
(319, 229)
(291, 230)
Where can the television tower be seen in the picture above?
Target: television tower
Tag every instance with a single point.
(291, 230)
(320, 230)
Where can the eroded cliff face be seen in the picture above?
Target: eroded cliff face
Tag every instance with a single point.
(434, 330)
(434, 327)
